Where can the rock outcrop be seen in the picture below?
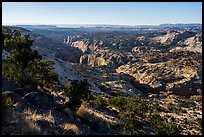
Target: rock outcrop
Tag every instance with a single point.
(193, 44)
(91, 60)
(167, 38)
(82, 45)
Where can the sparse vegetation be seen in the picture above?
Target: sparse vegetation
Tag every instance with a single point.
(162, 126)
(135, 111)
(100, 101)
(132, 110)
(77, 91)
(42, 72)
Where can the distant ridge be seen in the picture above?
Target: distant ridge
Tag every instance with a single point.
(179, 25)
(36, 26)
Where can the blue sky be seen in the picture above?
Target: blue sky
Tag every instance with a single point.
(118, 13)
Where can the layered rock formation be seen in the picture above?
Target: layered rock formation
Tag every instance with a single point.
(91, 60)
(163, 75)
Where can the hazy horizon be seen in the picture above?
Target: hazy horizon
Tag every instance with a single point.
(101, 13)
(101, 24)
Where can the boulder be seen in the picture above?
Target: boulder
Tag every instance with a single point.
(14, 97)
(34, 98)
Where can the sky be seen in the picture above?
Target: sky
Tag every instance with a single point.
(117, 13)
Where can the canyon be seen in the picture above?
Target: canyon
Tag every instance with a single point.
(163, 64)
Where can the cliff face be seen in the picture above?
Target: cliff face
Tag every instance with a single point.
(85, 46)
(82, 45)
(91, 52)
(91, 60)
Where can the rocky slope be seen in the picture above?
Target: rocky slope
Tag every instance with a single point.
(185, 112)
(40, 113)
(108, 81)
(165, 72)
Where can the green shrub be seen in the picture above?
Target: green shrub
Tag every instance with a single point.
(99, 101)
(132, 111)
(5, 69)
(9, 70)
(42, 72)
(155, 118)
(21, 53)
(78, 91)
(118, 102)
(138, 103)
(19, 78)
(169, 129)
(162, 126)
(136, 111)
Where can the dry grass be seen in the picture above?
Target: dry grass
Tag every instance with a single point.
(73, 129)
(82, 112)
(88, 113)
(32, 115)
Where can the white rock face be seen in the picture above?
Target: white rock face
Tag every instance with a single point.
(166, 39)
(82, 45)
(193, 44)
(66, 72)
(122, 86)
